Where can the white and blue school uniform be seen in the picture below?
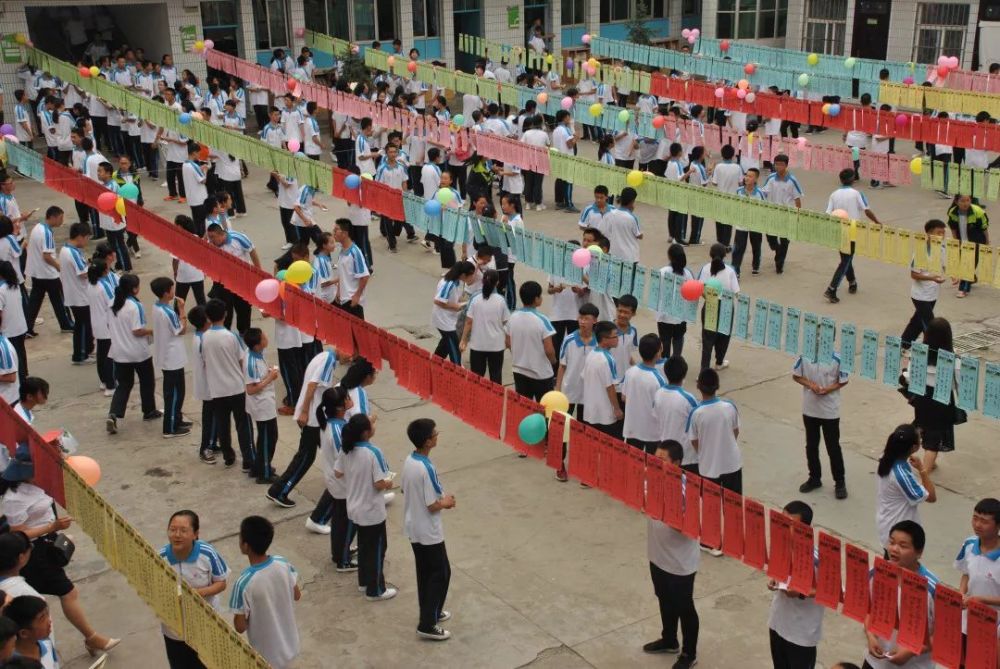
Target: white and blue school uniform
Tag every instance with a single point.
(362, 152)
(200, 569)
(592, 216)
(898, 494)
(238, 244)
(640, 384)
(273, 135)
(47, 656)
(572, 355)
(10, 392)
(323, 271)
(922, 661)
(782, 191)
(711, 424)
(983, 570)
(672, 406)
(265, 594)
(11, 250)
(421, 487)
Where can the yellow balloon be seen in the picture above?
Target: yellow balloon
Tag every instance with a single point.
(595, 249)
(299, 272)
(199, 45)
(813, 59)
(917, 166)
(20, 38)
(596, 109)
(550, 59)
(825, 108)
(554, 401)
(95, 71)
(634, 178)
(593, 62)
(120, 206)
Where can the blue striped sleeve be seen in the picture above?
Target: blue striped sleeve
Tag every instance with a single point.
(907, 482)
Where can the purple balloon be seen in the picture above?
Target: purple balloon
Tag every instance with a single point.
(6, 129)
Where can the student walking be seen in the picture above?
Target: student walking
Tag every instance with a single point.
(42, 268)
(73, 279)
(187, 277)
(711, 340)
(353, 270)
(750, 190)
(925, 286)
(195, 180)
(100, 295)
(855, 204)
(485, 329)
(425, 499)
(260, 405)
(821, 383)
(169, 354)
(781, 187)
(448, 302)
(529, 338)
(209, 442)
(239, 245)
(898, 491)
(331, 415)
(673, 565)
(130, 333)
(364, 467)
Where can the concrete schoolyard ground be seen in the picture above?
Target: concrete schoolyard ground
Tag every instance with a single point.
(544, 574)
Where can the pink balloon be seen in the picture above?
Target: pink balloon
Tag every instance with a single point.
(840, 213)
(581, 258)
(692, 39)
(901, 120)
(720, 92)
(942, 71)
(741, 94)
(952, 62)
(267, 290)
(686, 33)
(86, 467)
(908, 81)
(942, 60)
(209, 44)
(696, 32)
(293, 145)
(300, 32)
(567, 103)
(590, 69)
(585, 38)
(802, 142)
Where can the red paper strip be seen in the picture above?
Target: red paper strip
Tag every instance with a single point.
(779, 563)
(885, 598)
(946, 648)
(856, 587)
(420, 371)
(673, 496)
(490, 406)
(828, 588)
(584, 454)
(692, 505)
(913, 601)
(608, 466)
(981, 646)
(711, 514)
(635, 478)
(803, 559)
(656, 483)
(554, 450)
(732, 510)
(755, 544)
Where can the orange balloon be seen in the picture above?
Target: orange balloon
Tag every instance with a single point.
(86, 467)
(203, 152)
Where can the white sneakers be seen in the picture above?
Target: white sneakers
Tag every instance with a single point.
(385, 596)
(725, 364)
(315, 527)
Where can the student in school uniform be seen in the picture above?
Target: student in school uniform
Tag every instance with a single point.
(239, 245)
(795, 622)
(781, 187)
(573, 354)
(10, 381)
(303, 221)
(260, 404)
(641, 427)
(331, 415)
(73, 278)
(821, 383)
(13, 326)
(566, 301)
(365, 153)
(676, 171)
(195, 177)
(318, 377)
(393, 173)
(230, 177)
(727, 176)
(208, 443)
(714, 427)
(187, 277)
(367, 475)
(904, 550)
(529, 338)
(601, 406)
(263, 597)
(485, 327)
(621, 227)
(100, 294)
(425, 500)
(112, 225)
(672, 406)
(711, 341)
(673, 565)
(848, 199)
(672, 328)
(353, 272)
(169, 354)
(130, 333)
(42, 268)
(749, 190)
(449, 300)
(623, 353)
(978, 559)
(225, 357)
(898, 492)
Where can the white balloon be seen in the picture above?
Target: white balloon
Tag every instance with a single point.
(68, 443)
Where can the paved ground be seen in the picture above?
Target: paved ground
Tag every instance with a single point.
(544, 574)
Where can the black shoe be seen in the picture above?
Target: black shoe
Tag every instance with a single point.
(30, 334)
(661, 646)
(111, 424)
(810, 485)
(344, 568)
(283, 502)
(831, 296)
(840, 491)
(779, 267)
(179, 432)
(152, 415)
(207, 456)
(685, 662)
(229, 463)
(185, 425)
(267, 479)
(245, 468)
(852, 287)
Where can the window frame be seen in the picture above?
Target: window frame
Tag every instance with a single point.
(835, 46)
(607, 7)
(739, 17)
(265, 5)
(928, 55)
(577, 21)
(424, 5)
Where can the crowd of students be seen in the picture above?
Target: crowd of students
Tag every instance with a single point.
(624, 383)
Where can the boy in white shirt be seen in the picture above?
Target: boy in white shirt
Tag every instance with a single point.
(169, 326)
(925, 287)
(978, 560)
(209, 442)
(727, 176)
(73, 277)
(848, 199)
(601, 407)
(225, 357)
(43, 269)
(264, 595)
(260, 403)
(642, 427)
(714, 426)
(672, 407)
(572, 354)
(529, 338)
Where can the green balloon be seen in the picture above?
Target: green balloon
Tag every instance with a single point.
(458, 119)
(129, 192)
(532, 429)
(280, 276)
(444, 196)
(803, 80)
(623, 116)
(714, 283)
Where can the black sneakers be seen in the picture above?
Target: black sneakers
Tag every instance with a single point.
(661, 646)
(840, 491)
(436, 633)
(831, 295)
(810, 485)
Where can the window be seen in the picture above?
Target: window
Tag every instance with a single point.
(573, 13)
(328, 17)
(426, 18)
(374, 20)
(941, 29)
(689, 7)
(270, 24)
(825, 27)
(751, 19)
(623, 10)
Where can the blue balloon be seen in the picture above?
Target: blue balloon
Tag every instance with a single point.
(834, 109)
(432, 207)
(532, 429)
(185, 118)
(352, 181)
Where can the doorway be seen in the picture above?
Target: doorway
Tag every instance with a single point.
(871, 29)
(538, 10)
(468, 20)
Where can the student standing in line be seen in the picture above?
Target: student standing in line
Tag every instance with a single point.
(641, 427)
(727, 176)
(672, 328)
(624, 351)
(195, 177)
(564, 141)
(854, 202)
(795, 622)
(675, 171)
(264, 596)
(126, 175)
(926, 283)
(169, 326)
(781, 187)
(821, 383)
(225, 357)
(898, 493)
(714, 427)
(113, 225)
(323, 267)
(712, 341)
(750, 190)
(601, 407)
(673, 564)
(100, 294)
(353, 272)
(331, 415)
(260, 403)
(187, 276)
(978, 559)
(13, 327)
(904, 549)
(130, 333)
(425, 499)
(10, 382)
(448, 302)
(572, 355)
(318, 377)
(363, 466)
(291, 361)
(304, 226)
(968, 223)
(621, 226)
(73, 278)
(672, 406)
(199, 565)
(529, 338)
(209, 443)
(485, 327)
(566, 301)
(43, 269)
(697, 175)
(239, 245)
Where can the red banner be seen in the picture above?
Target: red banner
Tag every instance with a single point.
(856, 587)
(779, 564)
(803, 559)
(673, 495)
(885, 598)
(946, 648)
(732, 516)
(913, 602)
(981, 647)
(711, 514)
(692, 505)
(554, 452)
(828, 589)
(755, 541)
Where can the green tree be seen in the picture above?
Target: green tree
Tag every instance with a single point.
(354, 69)
(638, 30)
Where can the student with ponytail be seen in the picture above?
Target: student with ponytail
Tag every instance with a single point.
(672, 328)
(367, 475)
(100, 294)
(130, 335)
(13, 325)
(331, 415)
(898, 491)
(726, 275)
(447, 305)
(485, 328)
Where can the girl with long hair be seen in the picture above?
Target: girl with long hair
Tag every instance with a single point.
(130, 335)
(670, 327)
(485, 334)
(332, 417)
(448, 303)
(898, 491)
(936, 420)
(725, 275)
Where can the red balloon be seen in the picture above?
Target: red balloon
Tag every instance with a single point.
(749, 68)
(291, 84)
(106, 202)
(724, 45)
(692, 289)
(203, 152)
(411, 66)
(659, 121)
(942, 71)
